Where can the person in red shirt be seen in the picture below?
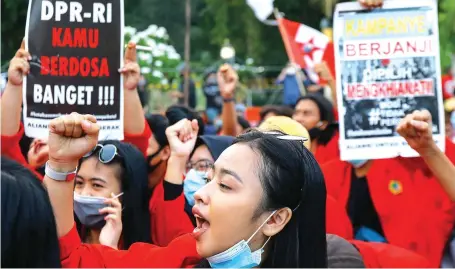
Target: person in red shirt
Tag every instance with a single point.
(265, 187)
(136, 129)
(397, 200)
(111, 193)
(315, 113)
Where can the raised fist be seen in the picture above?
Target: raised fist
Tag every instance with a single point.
(182, 137)
(227, 81)
(416, 129)
(71, 137)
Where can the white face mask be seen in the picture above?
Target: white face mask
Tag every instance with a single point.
(290, 71)
(240, 255)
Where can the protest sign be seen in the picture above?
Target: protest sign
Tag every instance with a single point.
(76, 49)
(387, 63)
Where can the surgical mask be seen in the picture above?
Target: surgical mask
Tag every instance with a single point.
(194, 180)
(290, 71)
(240, 255)
(87, 210)
(211, 81)
(357, 163)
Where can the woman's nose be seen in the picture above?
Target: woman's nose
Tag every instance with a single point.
(202, 195)
(86, 191)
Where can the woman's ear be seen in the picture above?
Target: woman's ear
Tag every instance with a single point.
(165, 153)
(277, 222)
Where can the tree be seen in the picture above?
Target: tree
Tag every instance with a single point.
(157, 65)
(446, 31)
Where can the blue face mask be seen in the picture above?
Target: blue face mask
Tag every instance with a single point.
(194, 180)
(239, 255)
(357, 163)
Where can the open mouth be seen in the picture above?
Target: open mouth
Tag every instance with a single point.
(202, 225)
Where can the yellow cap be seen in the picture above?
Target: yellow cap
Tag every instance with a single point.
(287, 126)
(449, 104)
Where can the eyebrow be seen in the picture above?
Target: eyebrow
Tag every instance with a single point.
(93, 179)
(224, 171)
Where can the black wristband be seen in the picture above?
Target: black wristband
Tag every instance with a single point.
(228, 100)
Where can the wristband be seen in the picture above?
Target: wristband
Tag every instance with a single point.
(59, 176)
(228, 100)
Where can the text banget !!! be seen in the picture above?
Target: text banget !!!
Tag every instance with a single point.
(62, 66)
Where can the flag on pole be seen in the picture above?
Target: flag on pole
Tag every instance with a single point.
(261, 8)
(306, 46)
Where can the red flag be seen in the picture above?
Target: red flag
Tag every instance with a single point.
(306, 47)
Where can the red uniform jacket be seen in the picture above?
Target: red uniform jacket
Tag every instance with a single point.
(328, 152)
(414, 210)
(180, 253)
(169, 219)
(11, 149)
(337, 220)
(380, 255)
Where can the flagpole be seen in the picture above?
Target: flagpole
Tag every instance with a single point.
(291, 56)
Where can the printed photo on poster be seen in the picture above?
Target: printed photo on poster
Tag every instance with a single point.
(77, 49)
(387, 66)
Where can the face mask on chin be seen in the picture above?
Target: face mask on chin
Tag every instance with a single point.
(240, 255)
(357, 163)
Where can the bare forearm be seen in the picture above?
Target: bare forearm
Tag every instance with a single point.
(442, 169)
(11, 109)
(175, 170)
(61, 197)
(229, 117)
(134, 120)
(333, 90)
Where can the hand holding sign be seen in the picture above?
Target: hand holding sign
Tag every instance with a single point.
(227, 81)
(19, 66)
(371, 3)
(70, 138)
(416, 129)
(130, 70)
(323, 71)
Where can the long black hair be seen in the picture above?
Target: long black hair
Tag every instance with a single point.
(135, 200)
(326, 113)
(291, 177)
(29, 234)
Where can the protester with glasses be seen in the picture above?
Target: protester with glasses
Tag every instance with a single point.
(265, 187)
(111, 196)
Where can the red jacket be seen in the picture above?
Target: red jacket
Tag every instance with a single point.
(328, 152)
(11, 149)
(181, 252)
(169, 219)
(380, 255)
(337, 220)
(414, 210)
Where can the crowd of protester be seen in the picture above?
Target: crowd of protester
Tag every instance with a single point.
(182, 191)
